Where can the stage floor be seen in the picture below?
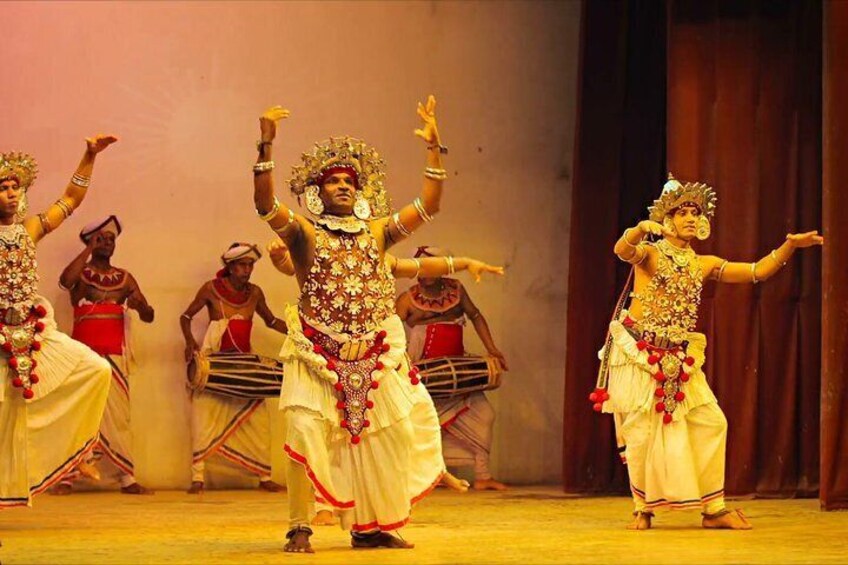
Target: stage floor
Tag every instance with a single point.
(523, 525)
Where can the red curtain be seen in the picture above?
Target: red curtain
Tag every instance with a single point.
(743, 114)
(834, 436)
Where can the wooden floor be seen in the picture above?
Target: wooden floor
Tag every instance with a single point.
(523, 525)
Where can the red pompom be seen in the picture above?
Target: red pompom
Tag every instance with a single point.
(379, 365)
(331, 366)
(385, 347)
(39, 327)
(679, 396)
(415, 380)
(593, 397)
(667, 418)
(660, 407)
(381, 335)
(605, 395)
(659, 392)
(366, 423)
(375, 384)
(343, 424)
(660, 376)
(354, 440)
(339, 386)
(34, 364)
(13, 362)
(369, 404)
(7, 347)
(36, 346)
(308, 332)
(653, 359)
(17, 382)
(317, 348)
(597, 407)
(689, 361)
(33, 378)
(40, 311)
(684, 377)
(340, 405)
(411, 374)
(642, 344)
(28, 393)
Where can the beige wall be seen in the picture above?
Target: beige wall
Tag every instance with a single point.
(182, 84)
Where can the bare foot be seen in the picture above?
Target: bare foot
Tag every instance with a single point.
(271, 486)
(298, 541)
(380, 539)
(136, 488)
(727, 520)
(454, 483)
(641, 521)
(62, 489)
(195, 488)
(88, 470)
(324, 518)
(489, 484)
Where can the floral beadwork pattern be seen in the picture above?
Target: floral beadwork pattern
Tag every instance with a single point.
(19, 271)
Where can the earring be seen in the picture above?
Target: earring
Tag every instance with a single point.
(313, 202)
(23, 207)
(703, 231)
(361, 208)
(669, 225)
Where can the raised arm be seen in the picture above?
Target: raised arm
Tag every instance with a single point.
(265, 313)
(138, 302)
(439, 267)
(630, 247)
(41, 224)
(725, 271)
(200, 300)
(72, 273)
(481, 327)
(401, 224)
(280, 217)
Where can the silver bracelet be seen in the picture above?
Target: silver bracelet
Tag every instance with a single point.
(399, 225)
(419, 207)
(773, 255)
(80, 181)
(263, 167)
(451, 266)
(721, 271)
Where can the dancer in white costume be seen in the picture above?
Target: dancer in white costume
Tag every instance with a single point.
(100, 295)
(361, 431)
(435, 311)
(237, 429)
(53, 389)
(671, 430)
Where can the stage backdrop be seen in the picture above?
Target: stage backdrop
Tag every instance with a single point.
(183, 85)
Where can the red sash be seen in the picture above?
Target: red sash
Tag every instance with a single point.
(237, 336)
(443, 340)
(101, 327)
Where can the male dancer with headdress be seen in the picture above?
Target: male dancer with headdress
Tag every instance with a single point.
(53, 389)
(435, 311)
(361, 432)
(237, 429)
(673, 432)
(100, 293)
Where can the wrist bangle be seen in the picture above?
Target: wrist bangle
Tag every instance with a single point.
(451, 266)
(442, 149)
(401, 229)
(773, 255)
(721, 271)
(80, 181)
(627, 242)
(271, 213)
(263, 167)
(754, 278)
(417, 268)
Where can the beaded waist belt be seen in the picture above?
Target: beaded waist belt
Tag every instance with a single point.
(19, 342)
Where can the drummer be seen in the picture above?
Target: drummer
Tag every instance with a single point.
(237, 429)
(435, 311)
(101, 294)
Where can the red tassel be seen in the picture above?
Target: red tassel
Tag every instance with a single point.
(343, 424)
(689, 361)
(369, 404)
(379, 366)
(33, 378)
(13, 362)
(684, 377)
(597, 407)
(660, 407)
(659, 392)
(414, 380)
(339, 386)
(667, 418)
(641, 344)
(340, 405)
(355, 440)
(28, 393)
(375, 385)
(36, 346)
(17, 382)
(679, 396)
(653, 359)
(40, 311)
